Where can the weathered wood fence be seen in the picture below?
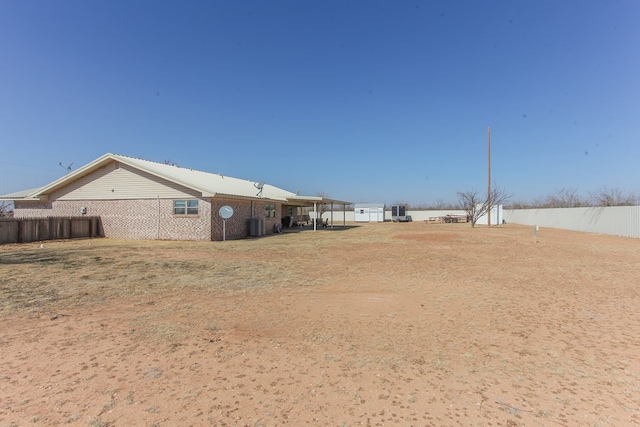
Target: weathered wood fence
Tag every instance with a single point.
(24, 230)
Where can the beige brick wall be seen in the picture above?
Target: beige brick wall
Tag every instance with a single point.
(130, 219)
(154, 219)
(238, 225)
(32, 209)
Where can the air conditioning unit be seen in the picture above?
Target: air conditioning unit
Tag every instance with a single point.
(256, 227)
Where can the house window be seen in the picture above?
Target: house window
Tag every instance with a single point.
(185, 207)
(270, 211)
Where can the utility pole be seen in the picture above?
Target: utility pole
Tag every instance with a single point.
(489, 176)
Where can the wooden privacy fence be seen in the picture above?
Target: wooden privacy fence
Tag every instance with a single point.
(24, 230)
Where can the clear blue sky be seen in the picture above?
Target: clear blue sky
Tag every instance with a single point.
(366, 101)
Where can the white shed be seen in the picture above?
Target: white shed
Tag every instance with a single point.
(369, 212)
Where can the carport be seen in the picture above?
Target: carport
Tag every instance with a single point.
(315, 201)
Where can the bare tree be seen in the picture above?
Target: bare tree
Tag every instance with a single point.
(442, 205)
(419, 207)
(611, 197)
(562, 198)
(402, 203)
(469, 201)
(476, 205)
(520, 204)
(322, 207)
(439, 205)
(570, 198)
(6, 209)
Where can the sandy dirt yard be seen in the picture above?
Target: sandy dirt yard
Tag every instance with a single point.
(408, 324)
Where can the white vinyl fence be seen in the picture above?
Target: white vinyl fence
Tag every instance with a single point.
(615, 220)
(349, 215)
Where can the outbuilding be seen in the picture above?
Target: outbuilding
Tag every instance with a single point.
(369, 212)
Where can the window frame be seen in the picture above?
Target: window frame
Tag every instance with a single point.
(187, 208)
(270, 210)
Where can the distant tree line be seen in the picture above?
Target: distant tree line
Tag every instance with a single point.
(571, 198)
(561, 198)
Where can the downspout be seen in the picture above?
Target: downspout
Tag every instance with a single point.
(315, 217)
(251, 218)
(158, 222)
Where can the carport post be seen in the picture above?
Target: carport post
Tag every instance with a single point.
(332, 215)
(315, 217)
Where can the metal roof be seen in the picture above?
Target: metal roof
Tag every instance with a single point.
(208, 184)
(19, 195)
(369, 205)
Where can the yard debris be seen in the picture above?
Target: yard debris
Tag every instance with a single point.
(55, 316)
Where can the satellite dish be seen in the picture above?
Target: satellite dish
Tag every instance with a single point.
(226, 212)
(259, 186)
(68, 168)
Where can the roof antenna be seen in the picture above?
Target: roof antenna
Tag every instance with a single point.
(68, 168)
(259, 186)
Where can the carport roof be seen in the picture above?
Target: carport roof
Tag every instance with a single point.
(311, 200)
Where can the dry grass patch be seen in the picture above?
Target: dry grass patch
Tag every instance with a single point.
(412, 324)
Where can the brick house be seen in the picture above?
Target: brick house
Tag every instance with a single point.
(140, 199)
